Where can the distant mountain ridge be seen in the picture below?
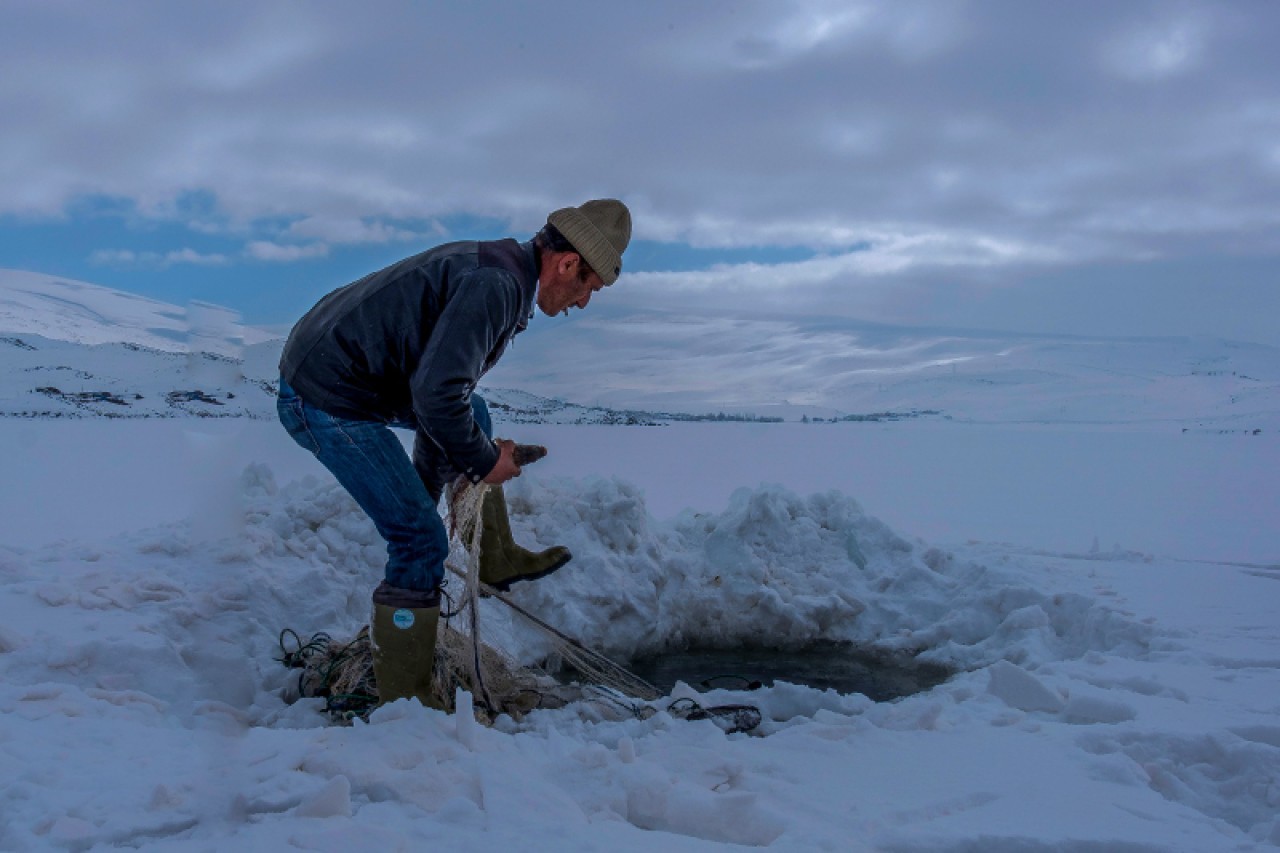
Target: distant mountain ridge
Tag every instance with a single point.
(69, 349)
(72, 349)
(676, 361)
(43, 378)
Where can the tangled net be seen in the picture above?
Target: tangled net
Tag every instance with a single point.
(342, 672)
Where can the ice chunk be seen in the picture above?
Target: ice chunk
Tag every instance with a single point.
(1086, 710)
(1022, 690)
(332, 800)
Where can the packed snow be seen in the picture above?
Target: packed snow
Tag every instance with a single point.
(1105, 595)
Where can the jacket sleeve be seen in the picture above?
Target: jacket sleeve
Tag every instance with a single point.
(471, 327)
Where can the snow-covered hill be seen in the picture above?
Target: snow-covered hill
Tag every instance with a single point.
(686, 362)
(40, 377)
(69, 349)
(74, 311)
(43, 378)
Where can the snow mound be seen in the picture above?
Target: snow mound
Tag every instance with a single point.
(774, 569)
(191, 612)
(783, 570)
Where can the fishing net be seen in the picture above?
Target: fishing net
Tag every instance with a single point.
(341, 672)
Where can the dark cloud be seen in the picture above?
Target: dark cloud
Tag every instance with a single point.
(1067, 133)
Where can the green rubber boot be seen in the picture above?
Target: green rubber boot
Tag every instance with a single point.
(403, 635)
(502, 561)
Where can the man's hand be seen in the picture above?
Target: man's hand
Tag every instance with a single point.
(506, 468)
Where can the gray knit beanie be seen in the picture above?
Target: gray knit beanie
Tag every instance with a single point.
(599, 230)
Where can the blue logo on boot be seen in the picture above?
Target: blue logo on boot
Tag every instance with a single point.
(403, 618)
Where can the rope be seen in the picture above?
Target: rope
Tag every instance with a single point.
(747, 683)
(465, 505)
(743, 718)
(608, 680)
(584, 660)
(327, 672)
(343, 673)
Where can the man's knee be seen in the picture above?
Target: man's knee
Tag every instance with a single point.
(415, 558)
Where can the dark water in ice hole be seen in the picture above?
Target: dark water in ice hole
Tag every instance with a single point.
(843, 667)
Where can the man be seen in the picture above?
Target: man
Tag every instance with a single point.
(405, 346)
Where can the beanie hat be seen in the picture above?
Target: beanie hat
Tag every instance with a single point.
(599, 231)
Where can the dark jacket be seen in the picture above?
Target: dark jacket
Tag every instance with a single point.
(410, 342)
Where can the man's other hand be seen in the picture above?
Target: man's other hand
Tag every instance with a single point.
(506, 467)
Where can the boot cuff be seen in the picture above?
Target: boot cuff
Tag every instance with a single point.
(397, 596)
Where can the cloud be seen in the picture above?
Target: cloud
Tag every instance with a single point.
(720, 125)
(884, 255)
(264, 250)
(1160, 50)
(349, 230)
(893, 139)
(156, 260)
(191, 256)
(114, 257)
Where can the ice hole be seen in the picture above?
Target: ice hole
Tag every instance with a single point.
(842, 667)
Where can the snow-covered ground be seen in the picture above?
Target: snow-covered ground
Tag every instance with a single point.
(1103, 579)
(1108, 698)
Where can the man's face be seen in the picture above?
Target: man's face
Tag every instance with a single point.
(566, 282)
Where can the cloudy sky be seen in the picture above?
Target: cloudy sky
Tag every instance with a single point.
(1080, 167)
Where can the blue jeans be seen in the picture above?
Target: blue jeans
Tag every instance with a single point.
(398, 494)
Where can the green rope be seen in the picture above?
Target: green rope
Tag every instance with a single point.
(743, 718)
(341, 707)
